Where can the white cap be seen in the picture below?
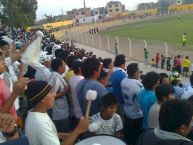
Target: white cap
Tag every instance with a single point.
(44, 57)
(8, 40)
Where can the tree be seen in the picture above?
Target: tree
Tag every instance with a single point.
(18, 13)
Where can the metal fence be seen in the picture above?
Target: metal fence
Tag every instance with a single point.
(134, 49)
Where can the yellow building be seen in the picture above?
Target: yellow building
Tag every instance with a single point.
(183, 7)
(150, 11)
(48, 26)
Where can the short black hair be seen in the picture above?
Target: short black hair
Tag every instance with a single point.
(164, 90)
(64, 54)
(175, 82)
(102, 74)
(191, 79)
(56, 63)
(109, 99)
(162, 76)
(89, 66)
(3, 43)
(58, 52)
(119, 60)
(132, 68)
(70, 61)
(150, 79)
(77, 66)
(174, 113)
(107, 62)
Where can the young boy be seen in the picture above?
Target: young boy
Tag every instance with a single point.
(163, 93)
(39, 128)
(111, 123)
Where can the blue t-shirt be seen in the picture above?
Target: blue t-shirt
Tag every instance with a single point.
(116, 79)
(81, 89)
(147, 98)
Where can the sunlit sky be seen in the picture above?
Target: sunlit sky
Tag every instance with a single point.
(55, 7)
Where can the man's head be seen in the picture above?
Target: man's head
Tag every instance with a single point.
(110, 104)
(58, 65)
(104, 78)
(133, 71)
(45, 59)
(4, 46)
(120, 61)
(151, 80)
(107, 63)
(77, 67)
(164, 78)
(176, 116)
(70, 61)
(164, 92)
(39, 93)
(91, 68)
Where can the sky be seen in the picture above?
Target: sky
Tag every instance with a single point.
(55, 7)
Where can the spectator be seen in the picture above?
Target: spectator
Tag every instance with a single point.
(133, 117)
(168, 63)
(147, 96)
(70, 73)
(164, 78)
(108, 65)
(163, 93)
(110, 121)
(188, 92)
(179, 64)
(162, 61)
(8, 97)
(60, 111)
(90, 68)
(103, 78)
(153, 62)
(157, 60)
(117, 76)
(178, 89)
(73, 84)
(175, 119)
(146, 56)
(39, 128)
(186, 64)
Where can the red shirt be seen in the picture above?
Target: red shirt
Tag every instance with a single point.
(5, 93)
(157, 59)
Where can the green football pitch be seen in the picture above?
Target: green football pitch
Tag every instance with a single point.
(164, 29)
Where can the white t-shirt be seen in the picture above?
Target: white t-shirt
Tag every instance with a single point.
(76, 106)
(108, 127)
(130, 91)
(188, 92)
(153, 116)
(40, 129)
